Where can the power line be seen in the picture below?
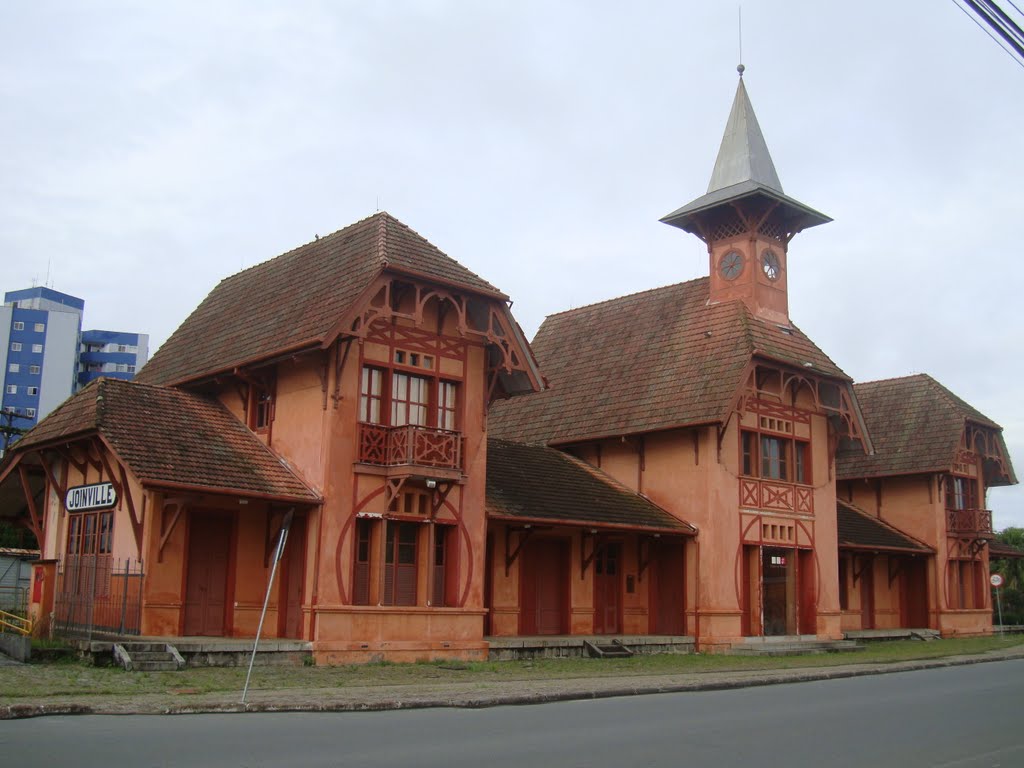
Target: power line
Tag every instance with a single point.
(1005, 27)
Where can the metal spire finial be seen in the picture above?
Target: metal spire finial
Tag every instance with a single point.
(740, 69)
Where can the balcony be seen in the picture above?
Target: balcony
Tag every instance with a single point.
(969, 522)
(776, 496)
(410, 446)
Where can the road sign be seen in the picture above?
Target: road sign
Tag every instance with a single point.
(996, 580)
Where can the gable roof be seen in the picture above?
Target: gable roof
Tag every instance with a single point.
(295, 300)
(534, 483)
(653, 360)
(172, 438)
(859, 530)
(916, 426)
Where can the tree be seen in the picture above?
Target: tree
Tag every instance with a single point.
(1012, 571)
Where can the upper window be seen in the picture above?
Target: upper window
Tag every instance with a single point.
(961, 492)
(13, 368)
(37, 347)
(34, 369)
(774, 457)
(19, 326)
(410, 399)
(32, 390)
(15, 346)
(30, 412)
(40, 327)
(12, 389)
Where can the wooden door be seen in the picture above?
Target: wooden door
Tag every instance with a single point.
(808, 594)
(668, 598)
(914, 593)
(209, 549)
(866, 568)
(293, 572)
(608, 589)
(544, 588)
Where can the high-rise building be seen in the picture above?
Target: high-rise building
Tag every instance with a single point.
(39, 332)
(111, 353)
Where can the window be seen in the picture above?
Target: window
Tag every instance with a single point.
(19, 326)
(131, 369)
(34, 369)
(443, 577)
(400, 563)
(30, 412)
(37, 348)
(14, 368)
(967, 584)
(15, 346)
(775, 458)
(40, 327)
(12, 389)
(844, 595)
(90, 533)
(412, 399)
(33, 390)
(122, 368)
(122, 348)
(961, 492)
(264, 409)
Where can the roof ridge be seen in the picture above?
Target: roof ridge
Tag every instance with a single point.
(628, 296)
(893, 378)
(382, 239)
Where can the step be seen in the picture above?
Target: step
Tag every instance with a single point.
(148, 657)
(169, 665)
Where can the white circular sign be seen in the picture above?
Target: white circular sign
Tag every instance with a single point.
(996, 580)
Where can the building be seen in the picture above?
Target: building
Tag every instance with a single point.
(682, 465)
(39, 330)
(935, 458)
(115, 354)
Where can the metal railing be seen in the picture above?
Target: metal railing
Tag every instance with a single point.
(12, 622)
(96, 593)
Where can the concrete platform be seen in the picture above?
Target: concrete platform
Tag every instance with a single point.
(208, 651)
(891, 634)
(568, 646)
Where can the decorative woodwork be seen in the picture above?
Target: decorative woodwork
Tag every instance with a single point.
(969, 522)
(410, 445)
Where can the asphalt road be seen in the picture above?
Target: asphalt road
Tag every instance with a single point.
(967, 717)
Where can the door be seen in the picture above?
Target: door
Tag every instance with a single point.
(867, 592)
(778, 591)
(667, 595)
(293, 572)
(544, 588)
(209, 549)
(808, 578)
(914, 593)
(608, 588)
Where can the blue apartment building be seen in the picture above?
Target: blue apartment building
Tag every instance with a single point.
(39, 332)
(113, 354)
(45, 356)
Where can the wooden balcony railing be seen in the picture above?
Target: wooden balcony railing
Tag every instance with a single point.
(410, 445)
(969, 521)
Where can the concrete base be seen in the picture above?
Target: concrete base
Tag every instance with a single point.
(18, 647)
(570, 646)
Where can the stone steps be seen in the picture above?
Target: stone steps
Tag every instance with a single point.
(148, 657)
(793, 647)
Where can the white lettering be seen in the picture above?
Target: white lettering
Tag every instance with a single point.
(86, 497)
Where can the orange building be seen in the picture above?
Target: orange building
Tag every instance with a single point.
(690, 470)
(935, 457)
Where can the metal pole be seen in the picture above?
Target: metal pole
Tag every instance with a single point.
(124, 597)
(999, 604)
(283, 537)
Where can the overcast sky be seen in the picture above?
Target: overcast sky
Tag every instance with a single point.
(150, 150)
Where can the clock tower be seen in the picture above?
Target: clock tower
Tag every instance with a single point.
(746, 220)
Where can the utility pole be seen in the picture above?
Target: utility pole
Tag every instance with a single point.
(8, 430)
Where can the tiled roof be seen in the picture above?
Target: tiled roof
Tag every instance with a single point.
(999, 551)
(859, 530)
(532, 482)
(167, 435)
(915, 424)
(296, 299)
(653, 360)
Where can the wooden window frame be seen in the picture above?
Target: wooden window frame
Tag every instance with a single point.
(386, 398)
(401, 540)
(791, 464)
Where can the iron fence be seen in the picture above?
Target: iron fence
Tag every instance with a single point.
(98, 593)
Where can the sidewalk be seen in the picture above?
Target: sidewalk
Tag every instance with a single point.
(475, 694)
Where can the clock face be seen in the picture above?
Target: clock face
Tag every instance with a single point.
(731, 265)
(771, 264)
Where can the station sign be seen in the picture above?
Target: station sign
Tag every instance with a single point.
(83, 498)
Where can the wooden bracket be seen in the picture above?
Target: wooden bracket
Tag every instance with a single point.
(643, 556)
(511, 557)
(167, 530)
(439, 497)
(594, 549)
(866, 562)
(895, 568)
(392, 489)
(33, 511)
